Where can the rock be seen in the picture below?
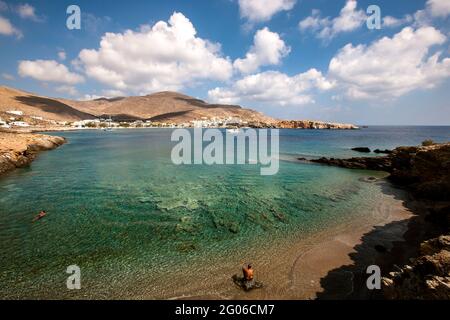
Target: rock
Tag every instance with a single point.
(428, 277)
(371, 163)
(308, 124)
(380, 248)
(361, 149)
(386, 151)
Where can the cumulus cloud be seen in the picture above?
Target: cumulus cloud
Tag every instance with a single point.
(391, 67)
(27, 11)
(272, 88)
(48, 71)
(7, 29)
(327, 28)
(268, 49)
(391, 22)
(165, 56)
(263, 10)
(439, 8)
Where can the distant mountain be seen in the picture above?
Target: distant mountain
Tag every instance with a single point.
(162, 107)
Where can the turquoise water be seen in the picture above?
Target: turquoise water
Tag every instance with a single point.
(120, 209)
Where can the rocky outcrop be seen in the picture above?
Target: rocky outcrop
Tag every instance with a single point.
(308, 124)
(19, 150)
(369, 163)
(425, 172)
(427, 277)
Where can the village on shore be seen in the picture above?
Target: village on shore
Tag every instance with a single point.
(17, 119)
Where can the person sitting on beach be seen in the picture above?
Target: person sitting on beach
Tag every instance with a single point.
(40, 216)
(248, 272)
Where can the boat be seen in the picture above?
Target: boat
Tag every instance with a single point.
(233, 131)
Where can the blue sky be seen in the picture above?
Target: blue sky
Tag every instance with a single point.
(291, 59)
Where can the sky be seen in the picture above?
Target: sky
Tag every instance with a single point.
(291, 59)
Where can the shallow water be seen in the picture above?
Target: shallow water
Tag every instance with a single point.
(118, 208)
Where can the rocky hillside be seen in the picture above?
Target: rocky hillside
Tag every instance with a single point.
(161, 107)
(38, 106)
(166, 107)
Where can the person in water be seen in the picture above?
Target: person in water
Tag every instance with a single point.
(40, 216)
(247, 282)
(248, 272)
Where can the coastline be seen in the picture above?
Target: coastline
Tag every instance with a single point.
(327, 265)
(18, 150)
(419, 267)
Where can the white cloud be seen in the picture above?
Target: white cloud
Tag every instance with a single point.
(27, 11)
(391, 67)
(7, 29)
(70, 90)
(111, 93)
(165, 56)
(272, 88)
(8, 76)
(49, 71)
(89, 97)
(62, 55)
(268, 49)
(263, 10)
(439, 8)
(391, 22)
(348, 20)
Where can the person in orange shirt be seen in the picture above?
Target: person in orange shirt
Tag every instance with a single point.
(248, 272)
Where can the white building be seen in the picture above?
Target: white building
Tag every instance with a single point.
(83, 123)
(15, 112)
(19, 124)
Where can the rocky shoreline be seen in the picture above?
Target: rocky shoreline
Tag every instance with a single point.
(424, 172)
(18, 150)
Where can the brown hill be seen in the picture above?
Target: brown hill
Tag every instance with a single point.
(38, 106)
(166, 107)
(161, 107)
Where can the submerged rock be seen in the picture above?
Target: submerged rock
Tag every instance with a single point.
(361, 149)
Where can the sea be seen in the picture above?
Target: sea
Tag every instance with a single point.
(139, 226)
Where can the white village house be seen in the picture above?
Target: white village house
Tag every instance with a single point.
(15, 112)
(19, 124)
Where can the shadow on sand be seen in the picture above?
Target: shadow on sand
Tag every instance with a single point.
(382, 246)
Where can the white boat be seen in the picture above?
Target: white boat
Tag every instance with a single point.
(232, 131)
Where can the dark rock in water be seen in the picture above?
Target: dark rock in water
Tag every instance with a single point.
(371, 163)
(386, 151)
(245, 284)
(361, 149)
